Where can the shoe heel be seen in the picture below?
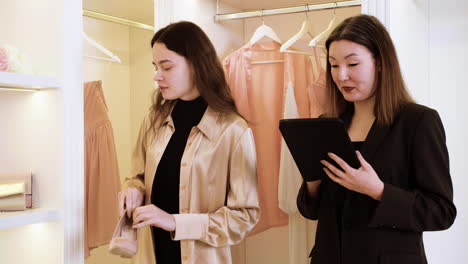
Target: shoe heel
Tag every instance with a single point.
(124, 241)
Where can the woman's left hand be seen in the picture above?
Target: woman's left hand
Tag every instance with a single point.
(363, 180)
(152, 215)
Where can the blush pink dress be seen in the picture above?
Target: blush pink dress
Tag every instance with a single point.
(101, 170)
(259, 91)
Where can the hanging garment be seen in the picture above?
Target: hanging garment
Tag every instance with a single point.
(301, 230)
(290, 179)
(317, 90)
(101, 170)
(258, 90)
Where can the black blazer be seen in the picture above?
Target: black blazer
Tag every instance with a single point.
(410, 156)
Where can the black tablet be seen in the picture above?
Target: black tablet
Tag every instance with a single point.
(310, 139)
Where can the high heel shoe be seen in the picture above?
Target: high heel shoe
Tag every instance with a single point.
(124, 241)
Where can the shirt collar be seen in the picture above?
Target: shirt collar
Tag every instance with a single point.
(207, 124)
(169, 121)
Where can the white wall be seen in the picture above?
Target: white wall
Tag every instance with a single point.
(36, 243)
(141, 79)
(447, 79)
(27, 25)
(408, 25)
(430, 37)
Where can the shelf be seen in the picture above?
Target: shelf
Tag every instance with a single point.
(26, 82)
(30, 216)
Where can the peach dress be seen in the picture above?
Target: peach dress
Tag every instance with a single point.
(259, 91)
(101, 170)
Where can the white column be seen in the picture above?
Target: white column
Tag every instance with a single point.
(409, 28)
(408, 24)
(72, 91)
(163, 13)
(377, 8)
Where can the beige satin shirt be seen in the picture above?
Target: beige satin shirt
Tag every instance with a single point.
(218, 197)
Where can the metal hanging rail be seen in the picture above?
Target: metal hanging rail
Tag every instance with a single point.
(117, 20)
(286, 10)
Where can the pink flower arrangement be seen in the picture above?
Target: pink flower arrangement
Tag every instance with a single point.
(13, 60)
(3, 60)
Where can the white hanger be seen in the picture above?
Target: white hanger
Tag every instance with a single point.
(306, 28)
(315, 42)
(101, 48)
(261, 32)
(264, 31)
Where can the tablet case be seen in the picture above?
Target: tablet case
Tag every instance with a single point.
(310, 139)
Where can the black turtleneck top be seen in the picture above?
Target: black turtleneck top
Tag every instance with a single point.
(165, 192)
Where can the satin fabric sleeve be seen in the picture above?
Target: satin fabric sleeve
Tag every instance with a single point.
(229, 224)
(136, 178)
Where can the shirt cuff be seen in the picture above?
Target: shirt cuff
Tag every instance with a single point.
(134, 183)
(190, 226)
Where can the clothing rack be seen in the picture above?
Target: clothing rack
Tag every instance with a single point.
(285, 10)
(117, 20)
(112, 19)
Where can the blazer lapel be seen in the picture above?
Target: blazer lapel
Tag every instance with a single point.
(374, 138)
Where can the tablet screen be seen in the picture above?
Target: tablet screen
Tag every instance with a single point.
(310, 139)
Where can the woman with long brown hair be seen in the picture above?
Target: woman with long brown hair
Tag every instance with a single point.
(377, 213)
(194, 164)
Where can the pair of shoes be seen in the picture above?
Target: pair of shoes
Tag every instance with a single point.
(124, 241)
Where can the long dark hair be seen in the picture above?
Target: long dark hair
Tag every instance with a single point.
(188, 40)
(390, 92)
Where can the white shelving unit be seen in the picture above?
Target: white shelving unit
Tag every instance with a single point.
(23, 81)
(28, 217)
(42, 131)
